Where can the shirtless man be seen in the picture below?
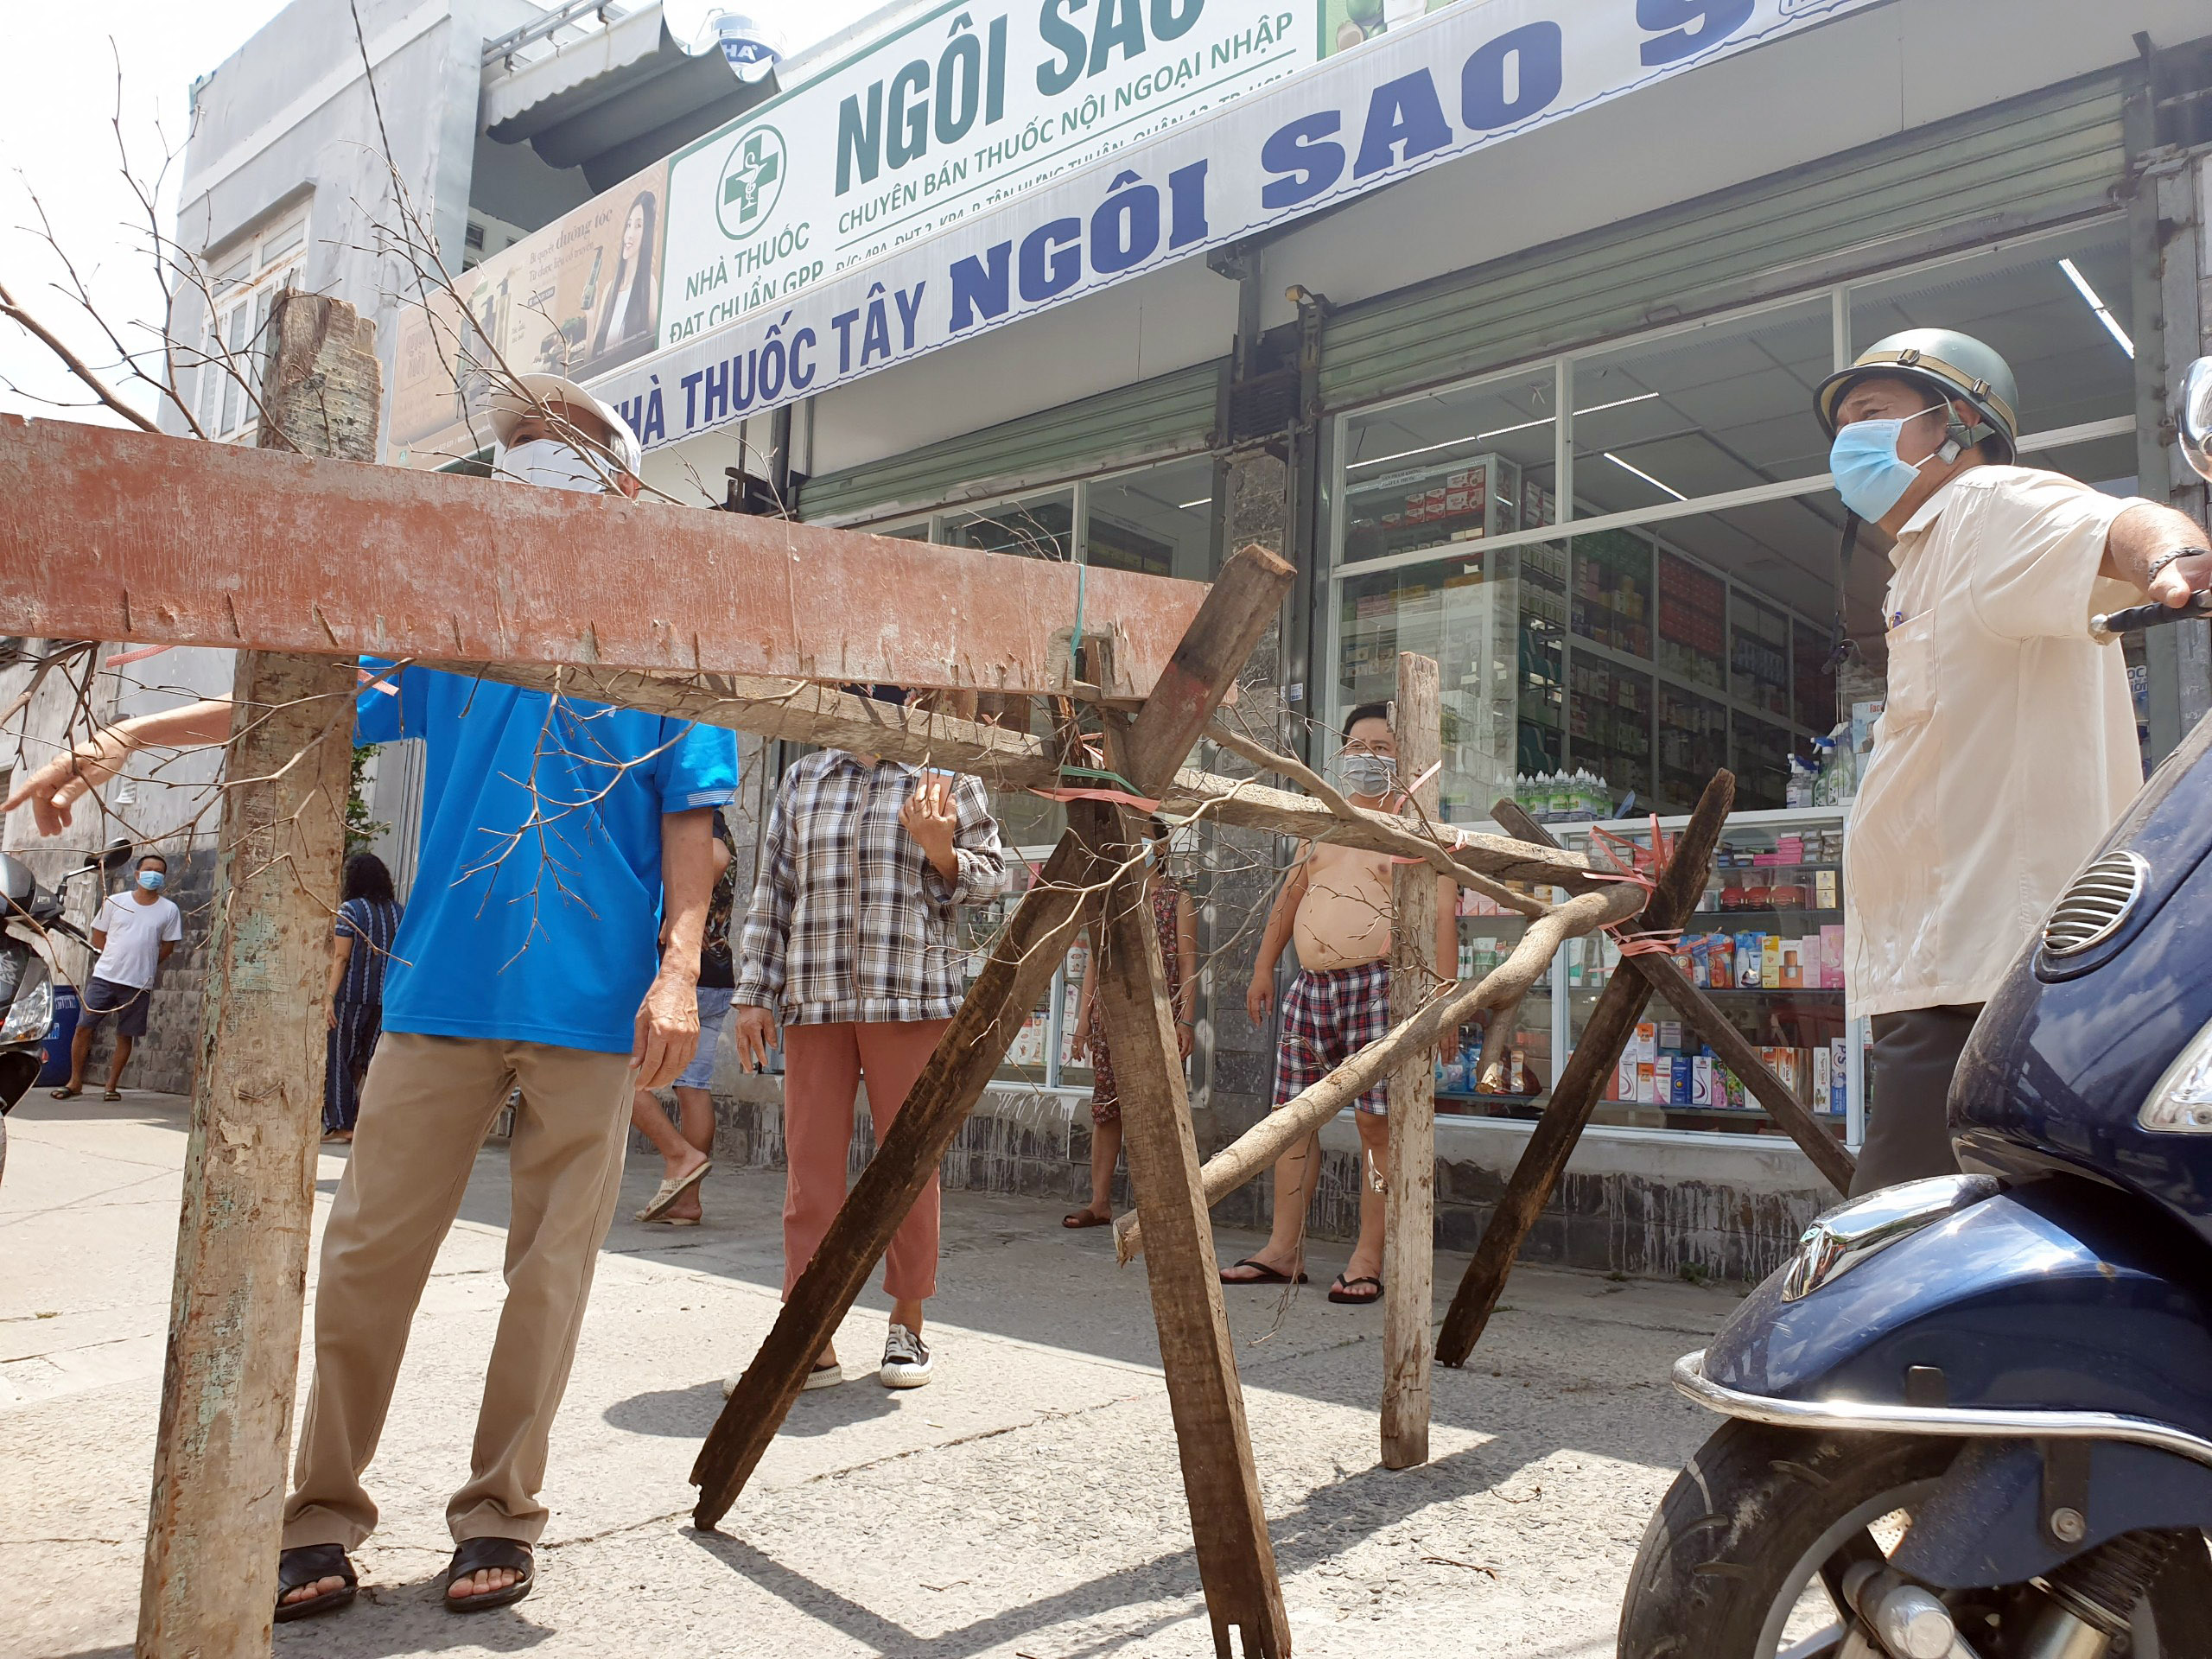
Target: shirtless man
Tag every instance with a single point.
(1336, 900)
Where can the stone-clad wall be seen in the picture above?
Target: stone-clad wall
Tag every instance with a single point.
(1645, 1206)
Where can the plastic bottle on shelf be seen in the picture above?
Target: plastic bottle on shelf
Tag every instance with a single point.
(1798, 792)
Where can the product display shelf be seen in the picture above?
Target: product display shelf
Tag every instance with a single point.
(1487, 934)
(1779, 978)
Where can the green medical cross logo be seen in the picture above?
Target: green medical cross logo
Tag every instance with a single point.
(753, 178)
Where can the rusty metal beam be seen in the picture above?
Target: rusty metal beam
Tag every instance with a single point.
(124, 535)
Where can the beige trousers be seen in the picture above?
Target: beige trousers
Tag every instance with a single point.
(426, 1107)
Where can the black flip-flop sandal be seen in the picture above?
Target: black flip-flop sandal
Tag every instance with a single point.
(1265, 1275)
(1336, 1292)
(475, 1557)
(307, 1564)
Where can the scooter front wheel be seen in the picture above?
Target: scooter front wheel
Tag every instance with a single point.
(1745, 1555)
(1732, 1564)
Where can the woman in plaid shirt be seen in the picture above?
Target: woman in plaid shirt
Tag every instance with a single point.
(851, 945)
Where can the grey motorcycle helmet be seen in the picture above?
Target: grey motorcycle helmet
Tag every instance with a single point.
(1954, 366)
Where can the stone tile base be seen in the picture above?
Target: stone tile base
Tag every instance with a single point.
(1696, 1207)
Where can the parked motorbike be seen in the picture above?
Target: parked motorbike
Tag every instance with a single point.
(32, 917)
(1972, 1417)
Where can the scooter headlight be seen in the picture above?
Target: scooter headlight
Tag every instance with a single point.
(2182, 1102)
(1849, 1234)
(32, 1011)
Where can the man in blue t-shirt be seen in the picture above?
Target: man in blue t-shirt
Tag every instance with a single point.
(561, 842)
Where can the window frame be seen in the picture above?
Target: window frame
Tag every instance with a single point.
(259, 267)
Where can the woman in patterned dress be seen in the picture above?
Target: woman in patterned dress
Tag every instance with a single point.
(1174, 916)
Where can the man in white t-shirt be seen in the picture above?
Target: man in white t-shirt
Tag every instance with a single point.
(135, 933)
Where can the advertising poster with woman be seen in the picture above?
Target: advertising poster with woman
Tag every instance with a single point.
(579, 297)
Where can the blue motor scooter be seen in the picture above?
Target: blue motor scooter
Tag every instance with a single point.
(1972, 1417)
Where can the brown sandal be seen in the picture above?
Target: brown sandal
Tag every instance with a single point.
(1086, 1216)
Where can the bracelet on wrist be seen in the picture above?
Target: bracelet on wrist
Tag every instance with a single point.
(2159, 563)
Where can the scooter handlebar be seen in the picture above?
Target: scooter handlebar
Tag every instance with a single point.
(2106, 629)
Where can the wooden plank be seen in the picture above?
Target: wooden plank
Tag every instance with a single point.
(1409, 1235)
(1580, 1085)
(1229, 1523)
(1665, 975)
(209, 1583)
(126, 535)
(810, 712)
(1238, 608)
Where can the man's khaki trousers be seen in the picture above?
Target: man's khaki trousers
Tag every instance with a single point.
(426, 1107)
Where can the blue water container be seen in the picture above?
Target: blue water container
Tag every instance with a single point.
(54, 1050)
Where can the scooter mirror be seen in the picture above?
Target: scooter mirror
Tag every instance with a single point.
(17, 883)
(116, 854)
(2197, 416)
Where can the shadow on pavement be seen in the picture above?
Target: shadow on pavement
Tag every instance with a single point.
(1319, 1531)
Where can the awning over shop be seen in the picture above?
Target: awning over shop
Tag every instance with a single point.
(615, 100)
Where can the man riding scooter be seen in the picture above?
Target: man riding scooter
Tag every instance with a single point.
(2007, 747)
(1971, 1418)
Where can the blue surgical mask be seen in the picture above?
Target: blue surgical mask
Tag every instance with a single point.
(1870, 475)
(1366, 774)
(151, 879)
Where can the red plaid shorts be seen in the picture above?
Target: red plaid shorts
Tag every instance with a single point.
(1326, 1018)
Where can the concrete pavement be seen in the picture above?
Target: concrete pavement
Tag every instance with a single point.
(1026, 1503)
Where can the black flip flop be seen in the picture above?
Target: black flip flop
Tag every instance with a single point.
(1336, 1292)
(305, 1564)
(1266, 1276)
(477, 1554)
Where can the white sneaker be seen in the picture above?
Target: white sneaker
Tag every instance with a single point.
(822, 1377)
(906, 1360)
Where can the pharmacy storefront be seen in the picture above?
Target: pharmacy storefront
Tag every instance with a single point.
(1540, 410)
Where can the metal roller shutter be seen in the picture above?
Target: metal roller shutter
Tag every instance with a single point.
(1170, 415)
(2037, 159)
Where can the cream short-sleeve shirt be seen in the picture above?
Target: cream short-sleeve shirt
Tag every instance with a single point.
(2006, 749)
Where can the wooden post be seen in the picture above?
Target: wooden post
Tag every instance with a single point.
(1229, 1523)
(1580, 1085)
(210, 1580)
(1237, 610)
(1409, 1232)
(1664, 975)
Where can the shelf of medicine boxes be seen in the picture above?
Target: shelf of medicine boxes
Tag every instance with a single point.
(1488, 934)
(1042, 1055)
(1714, 640)
(1439, 507)
(1802, 1018)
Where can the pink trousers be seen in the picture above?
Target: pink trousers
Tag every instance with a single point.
(822, 1068)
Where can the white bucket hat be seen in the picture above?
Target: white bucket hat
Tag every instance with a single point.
(508, 408)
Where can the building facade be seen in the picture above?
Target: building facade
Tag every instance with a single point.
(1541, 410)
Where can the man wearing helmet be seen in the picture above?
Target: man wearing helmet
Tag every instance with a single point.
(2006, 748)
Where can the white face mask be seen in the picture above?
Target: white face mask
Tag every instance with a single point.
(548, 463)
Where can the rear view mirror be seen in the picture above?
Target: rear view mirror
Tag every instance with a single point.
(116, 854)
(16, 882)
(2196, 412)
